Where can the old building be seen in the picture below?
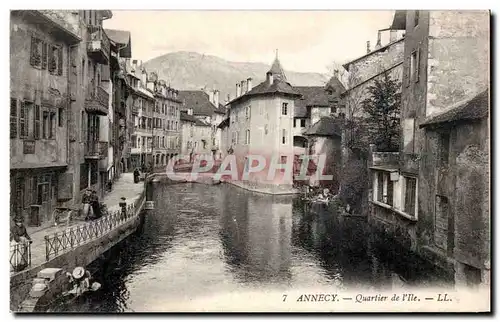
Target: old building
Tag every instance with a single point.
(166, 124)
(205, 107)
(41, 44)
(121, 49)
(433, 194)
(195, 134)
(271, 119)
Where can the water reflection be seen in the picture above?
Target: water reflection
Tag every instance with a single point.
(202, 242)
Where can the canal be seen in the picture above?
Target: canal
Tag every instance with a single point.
(208, 242)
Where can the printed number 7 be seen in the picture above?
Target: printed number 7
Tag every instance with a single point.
(284, 297)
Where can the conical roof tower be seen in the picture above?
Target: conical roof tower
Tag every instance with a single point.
(277, 70)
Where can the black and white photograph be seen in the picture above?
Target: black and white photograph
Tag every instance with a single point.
(249, 161)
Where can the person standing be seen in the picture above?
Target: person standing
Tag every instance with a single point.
(18, 232)
(123, 206)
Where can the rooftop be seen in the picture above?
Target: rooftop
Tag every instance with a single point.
(471, 109)
(199, 102)
(122, 39)
(326, 126)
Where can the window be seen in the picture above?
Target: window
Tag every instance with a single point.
(413, 64)
(13, 118)
(36, 130)
(37, 52)
(417, 17)
(52, 125)
(410, 195)
(302, 123)
(247, 137)
(60, 120)
(24, 118)
(83, 131)
(444, 149)
(247, 112)
(266, 129)
(45, 125)
(294, 123)
(284, 109)
(55, 60)
(408, 71)
(380, 186)
(283, 138)
(383, 188)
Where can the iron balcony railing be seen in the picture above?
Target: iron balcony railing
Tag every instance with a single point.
(20, 256)
(61, 242)
(96, 149)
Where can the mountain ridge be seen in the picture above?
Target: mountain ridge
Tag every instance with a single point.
(187, 70)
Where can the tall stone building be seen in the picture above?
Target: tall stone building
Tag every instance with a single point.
(434, 195)
(41, 95)
(64, 80)
(270, 120)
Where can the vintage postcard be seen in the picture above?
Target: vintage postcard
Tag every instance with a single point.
(249, 161)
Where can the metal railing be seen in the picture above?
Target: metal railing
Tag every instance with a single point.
(20, 256)
(60, 242)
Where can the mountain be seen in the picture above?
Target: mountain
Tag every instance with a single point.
(193, 71)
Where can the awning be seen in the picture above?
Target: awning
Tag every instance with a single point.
(94, 107)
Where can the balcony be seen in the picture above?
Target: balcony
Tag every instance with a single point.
(96, 150)
(97, 100)
(98, 47)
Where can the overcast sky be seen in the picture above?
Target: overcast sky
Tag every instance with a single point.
(307, 41)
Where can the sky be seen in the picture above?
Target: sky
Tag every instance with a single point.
(307, 41)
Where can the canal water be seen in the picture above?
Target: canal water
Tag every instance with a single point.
(208, 242)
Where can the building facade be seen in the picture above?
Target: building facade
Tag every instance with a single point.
(40, 110)
(434, 194)
(204, 106)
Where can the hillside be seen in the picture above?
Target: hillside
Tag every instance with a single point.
(191, 71)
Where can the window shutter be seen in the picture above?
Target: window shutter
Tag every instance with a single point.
(33, 51)
(22, 117)
(13, 118)
(417, 68)
(44, 55)
(60, 62)
(408, 71)
(36, 129)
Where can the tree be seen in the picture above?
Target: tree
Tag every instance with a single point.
(382, 107)
(355, 133)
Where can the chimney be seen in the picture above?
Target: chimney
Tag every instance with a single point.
(368, 47)
(249, 84)
(216, 98)
(211, 96)
(238, 90)
(243, 87)
(228, 98)
(336, 73)
(379, 40)
(134, 65)
(269, 78)
(190, 111)
(393, 35)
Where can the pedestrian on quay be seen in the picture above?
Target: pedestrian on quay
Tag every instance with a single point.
(123, 206)
(137, 175)
(18, 232)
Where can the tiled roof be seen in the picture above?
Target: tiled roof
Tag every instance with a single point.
(187, 118)
(472, 109)
(326, 126)
(312, 96)
(264, 88)
(121, 37)
(224, 123)
(278, 71)
(199, 102)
